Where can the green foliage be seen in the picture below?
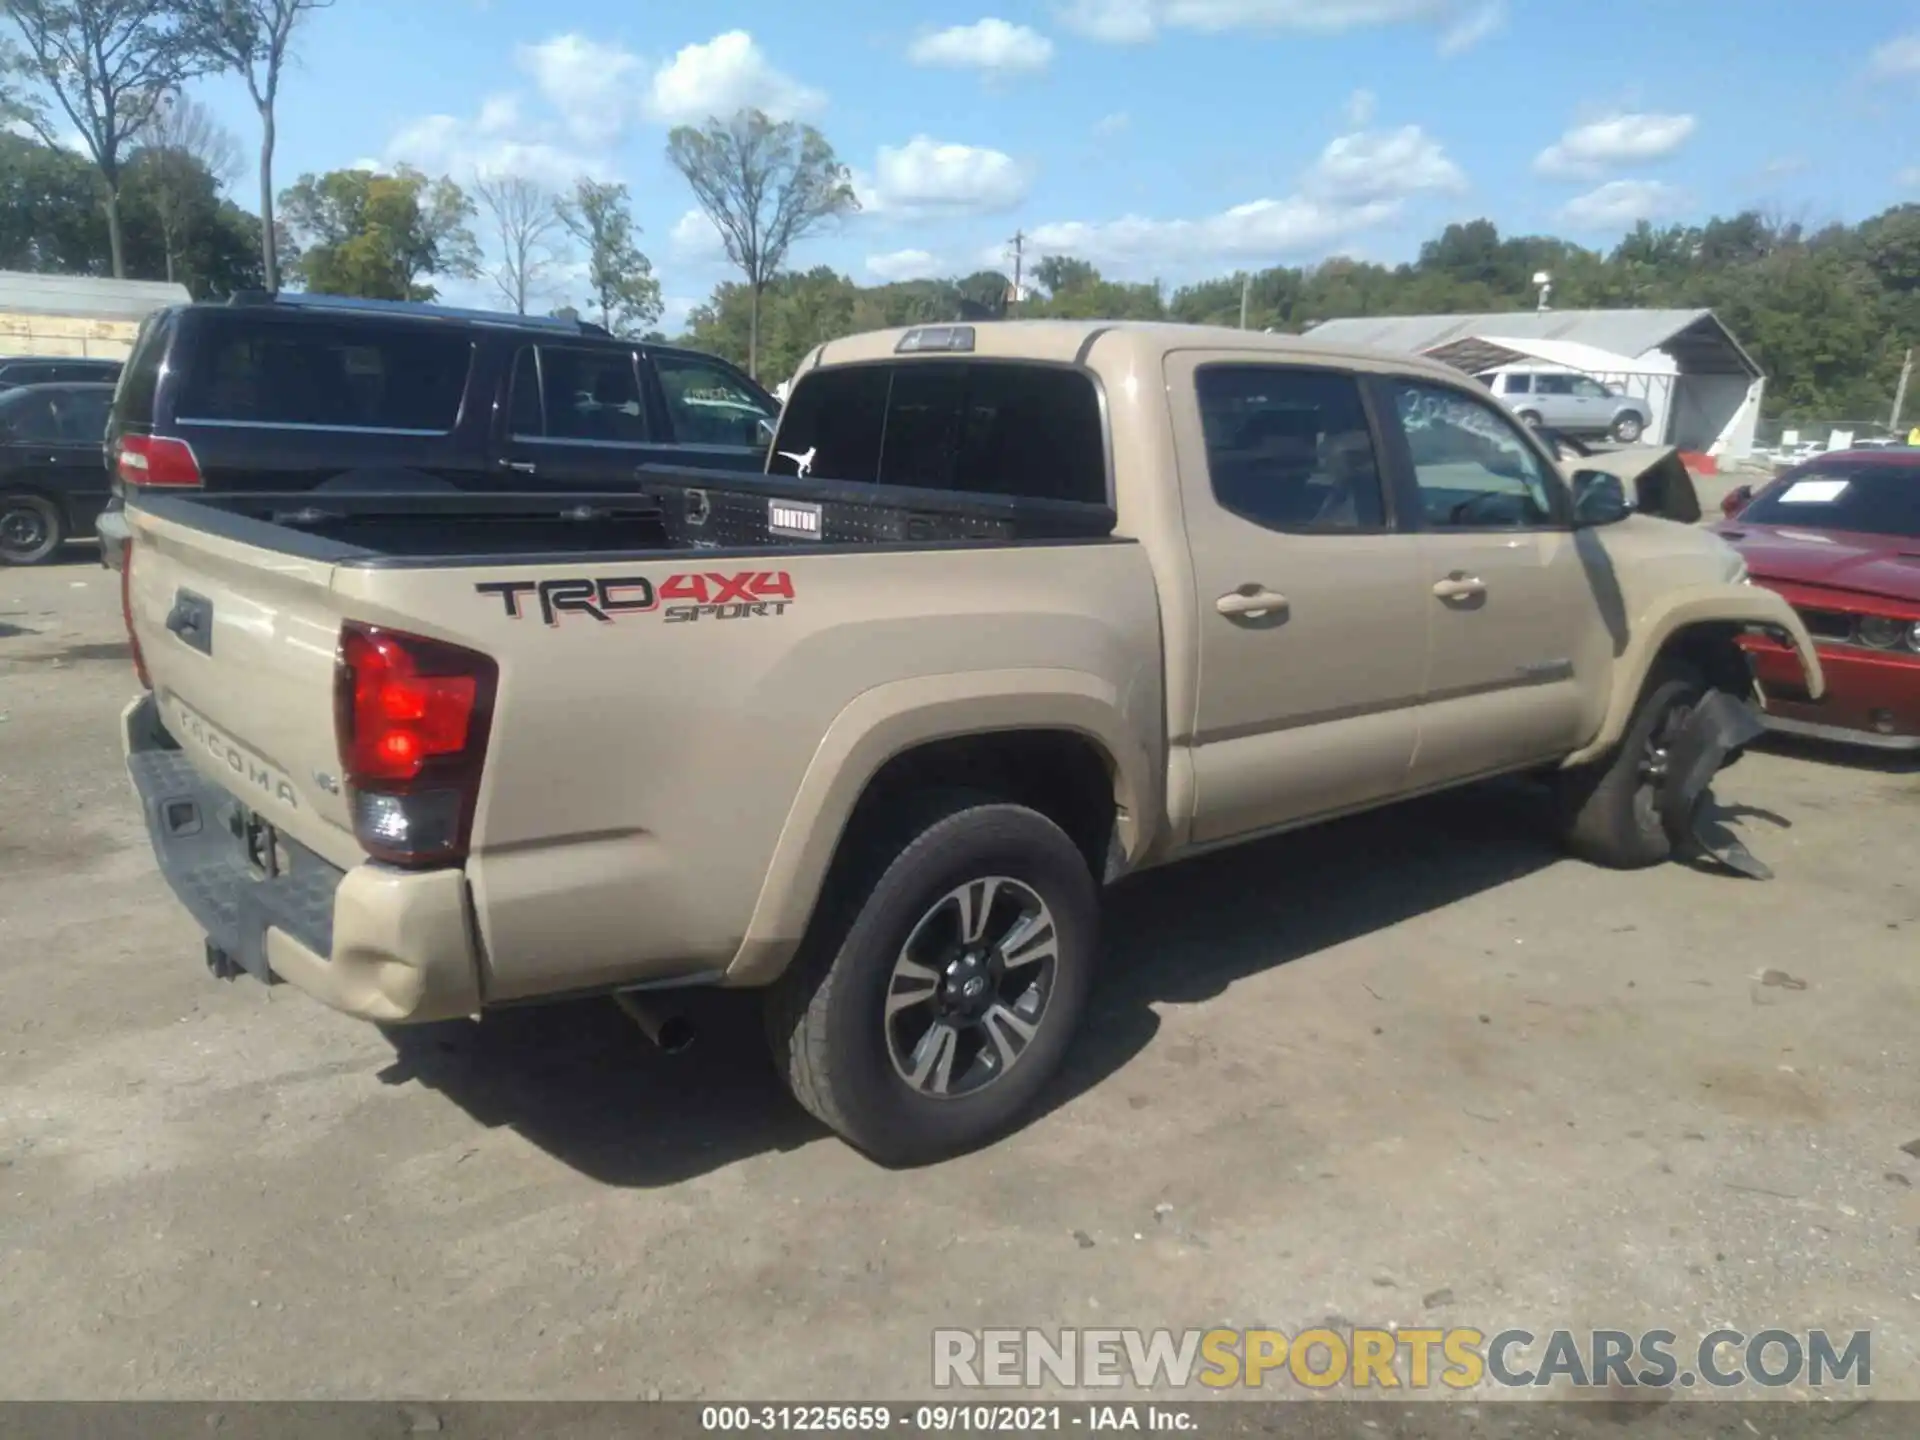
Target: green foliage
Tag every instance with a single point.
(379, 236)
(1828, 316)
(766, 186)
(625, 291)
(52, 220)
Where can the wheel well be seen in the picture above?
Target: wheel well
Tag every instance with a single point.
(1064, 775)
(1713, 650)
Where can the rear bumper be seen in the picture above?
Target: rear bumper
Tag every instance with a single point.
(387, 945)
(114, 533)
(1870, 699)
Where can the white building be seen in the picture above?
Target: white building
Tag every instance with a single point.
(77, 315)
(1703, 389)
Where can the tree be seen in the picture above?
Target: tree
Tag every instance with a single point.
(181, 147)
(107, 64)
(380, 236)
(765, 186)
(620, 277)
(526, 222)
(252, 39)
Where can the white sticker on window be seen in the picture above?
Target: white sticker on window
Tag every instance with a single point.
(1813, 492)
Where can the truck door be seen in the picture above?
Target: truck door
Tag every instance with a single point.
(1313, 623)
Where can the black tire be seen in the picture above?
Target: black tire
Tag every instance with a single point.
(1606, 810)
(31, 529)
(1530, 419)
(1628, 428)
(828, 1019)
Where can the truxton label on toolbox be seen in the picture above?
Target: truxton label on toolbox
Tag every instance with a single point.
(253, 773)
(706, 595)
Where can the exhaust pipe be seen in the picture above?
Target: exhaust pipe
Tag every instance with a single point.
(671, 1033)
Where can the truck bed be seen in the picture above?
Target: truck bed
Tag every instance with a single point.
(670, 510)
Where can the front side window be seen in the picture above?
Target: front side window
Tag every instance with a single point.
(326, 375)
(1289, 448)
(593, 395)
(710, 404)
(1589, 389)
(985, 427)
(1473, 468)
(83, 419)
(1519, 384)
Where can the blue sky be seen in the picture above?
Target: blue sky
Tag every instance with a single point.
(1157, 138)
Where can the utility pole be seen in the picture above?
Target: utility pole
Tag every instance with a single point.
(1900, 394)
(1246, 291)
(1019, 243)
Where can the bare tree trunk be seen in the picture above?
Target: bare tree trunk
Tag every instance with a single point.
(753, 334)
(115, 242)
(269, 257)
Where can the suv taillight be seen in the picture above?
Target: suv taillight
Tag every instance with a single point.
(412, 717)
(156, 461)
(126, 613)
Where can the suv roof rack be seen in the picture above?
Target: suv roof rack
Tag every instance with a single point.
(418, 309)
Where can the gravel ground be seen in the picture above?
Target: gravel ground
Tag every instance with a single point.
(1411, 1069)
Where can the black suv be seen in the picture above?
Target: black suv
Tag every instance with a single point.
(311, 392)
(17, 370)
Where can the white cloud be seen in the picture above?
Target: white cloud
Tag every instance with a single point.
(992, 46)
(1371, 165)
(1132, 22)
(1589, 150)
(1360, 180)
(496, 142)
(1620, 204)
(904, 265)
(1114, 22)
(928, 176)
(1472, 26)
(694, 237)
(1113, 124)
(728, 73)
(589, 82)
(1261, 230)
(1898, 59)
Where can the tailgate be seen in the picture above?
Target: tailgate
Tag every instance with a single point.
(239, 643)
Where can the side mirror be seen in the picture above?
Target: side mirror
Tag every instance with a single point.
(1735, 500)
(1599, 499)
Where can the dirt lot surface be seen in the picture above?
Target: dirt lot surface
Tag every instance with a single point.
(1413, 1069)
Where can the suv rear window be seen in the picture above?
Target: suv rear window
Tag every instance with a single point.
(984, 427)
(328, 375)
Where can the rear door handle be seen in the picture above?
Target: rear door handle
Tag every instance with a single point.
(525, 467)
(1250, 602)
(1460, 587)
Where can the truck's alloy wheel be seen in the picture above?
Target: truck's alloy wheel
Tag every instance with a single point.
(930, 1021)
(30, 529)
(1608, 810)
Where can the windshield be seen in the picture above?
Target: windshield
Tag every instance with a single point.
(1867, 499)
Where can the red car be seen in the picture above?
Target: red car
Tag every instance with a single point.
(1839, 537)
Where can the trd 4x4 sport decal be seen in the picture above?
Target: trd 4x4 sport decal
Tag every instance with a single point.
(705, 596)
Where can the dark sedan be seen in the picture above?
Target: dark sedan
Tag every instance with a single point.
(1839, 538)
(53, 467)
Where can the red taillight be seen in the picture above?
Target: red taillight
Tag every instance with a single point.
(126, 613)
(155, 461)
(412, 716)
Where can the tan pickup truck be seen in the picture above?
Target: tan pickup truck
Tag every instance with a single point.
(1018, 609)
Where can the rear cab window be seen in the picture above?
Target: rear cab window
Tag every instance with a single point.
(302, 374)
(982, 427)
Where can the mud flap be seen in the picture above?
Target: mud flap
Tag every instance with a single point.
(1712, 737)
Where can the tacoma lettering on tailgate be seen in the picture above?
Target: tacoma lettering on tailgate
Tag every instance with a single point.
(708, 595)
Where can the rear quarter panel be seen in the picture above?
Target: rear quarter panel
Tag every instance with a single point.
(646, 777)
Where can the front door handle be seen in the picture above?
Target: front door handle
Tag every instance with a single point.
(1250, 602)
(525, 467)
(1460, 587)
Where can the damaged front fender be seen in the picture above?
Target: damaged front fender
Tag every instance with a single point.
(1711, 738)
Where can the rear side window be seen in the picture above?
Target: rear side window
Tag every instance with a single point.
(83, 416)
(1290, 449)
(31, 416)
(591, 395)
(140, 377)
(331, 376)
(983, 427)
(1519, 384)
